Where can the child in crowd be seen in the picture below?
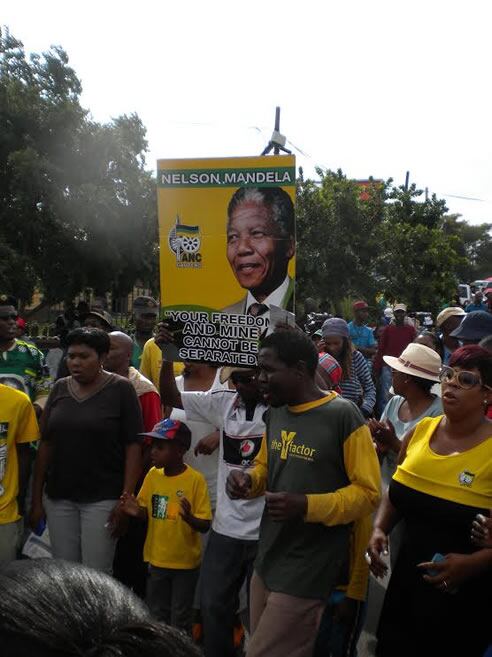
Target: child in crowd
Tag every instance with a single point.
(174, 500)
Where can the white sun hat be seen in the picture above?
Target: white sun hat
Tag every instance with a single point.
(417, 360)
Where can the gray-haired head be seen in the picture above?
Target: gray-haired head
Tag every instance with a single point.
(275, 199)
(260, 238)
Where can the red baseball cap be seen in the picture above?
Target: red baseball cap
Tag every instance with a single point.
(360, 305)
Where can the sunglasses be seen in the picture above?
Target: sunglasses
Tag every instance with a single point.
(8, 315)
(237, 377)
(464, 379)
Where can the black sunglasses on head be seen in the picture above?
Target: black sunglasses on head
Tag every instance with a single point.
(239, 377)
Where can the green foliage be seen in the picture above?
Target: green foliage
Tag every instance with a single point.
(417, 262)
(78, 207)
(393, 244)
(336, 234)
(475, 247)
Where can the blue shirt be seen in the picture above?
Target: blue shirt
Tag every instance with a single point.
(471, 307)
(361, 336)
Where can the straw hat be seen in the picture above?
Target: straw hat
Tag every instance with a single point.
(417, 360)
(452, 311)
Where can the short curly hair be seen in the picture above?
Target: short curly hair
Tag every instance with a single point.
(94, 338)
(291, 347)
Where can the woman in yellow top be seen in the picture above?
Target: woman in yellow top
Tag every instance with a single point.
(439, 597)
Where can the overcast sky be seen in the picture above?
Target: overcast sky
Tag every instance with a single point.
(374, 88)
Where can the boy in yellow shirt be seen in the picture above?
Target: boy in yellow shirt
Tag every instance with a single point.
(18, 428)
(174, 499)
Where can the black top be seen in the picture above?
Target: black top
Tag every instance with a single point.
(89, 438)
(418, 618)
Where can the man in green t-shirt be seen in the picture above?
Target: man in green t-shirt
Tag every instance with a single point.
(319, 471)
(21, 363)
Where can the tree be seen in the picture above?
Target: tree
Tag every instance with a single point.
(78, 207)
(336, 234)
(392, 243)
(475, 247)
(417, 261)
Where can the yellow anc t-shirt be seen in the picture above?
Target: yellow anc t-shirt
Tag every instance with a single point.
(18, 425)
(151, 361)
(170, 541)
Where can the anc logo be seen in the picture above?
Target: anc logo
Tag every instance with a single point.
(466, 478)
(185, 241)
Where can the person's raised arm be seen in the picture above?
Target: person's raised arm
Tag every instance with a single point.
(170, 395)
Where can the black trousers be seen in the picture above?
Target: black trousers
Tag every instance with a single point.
(227, 564)
(129, 567)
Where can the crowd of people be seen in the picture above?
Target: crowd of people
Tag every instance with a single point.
(247, 507)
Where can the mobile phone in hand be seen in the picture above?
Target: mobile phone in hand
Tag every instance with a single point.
(436, 559)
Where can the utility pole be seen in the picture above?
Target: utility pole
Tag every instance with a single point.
(277, 141)
(407, 180)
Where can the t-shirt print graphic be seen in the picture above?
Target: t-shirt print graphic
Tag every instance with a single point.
(159, 506)
(241, 450)
(163, 509)
(4, 429)
(287, 438)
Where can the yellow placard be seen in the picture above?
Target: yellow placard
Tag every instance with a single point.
(227, 241)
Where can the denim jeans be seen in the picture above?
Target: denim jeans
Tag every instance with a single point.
(227, 563)
(170, 594)
(337, 639)
(80, 532)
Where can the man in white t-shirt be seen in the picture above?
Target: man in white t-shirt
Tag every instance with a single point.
(231, 549)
